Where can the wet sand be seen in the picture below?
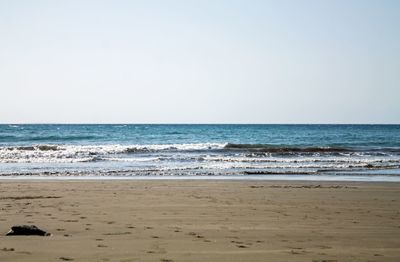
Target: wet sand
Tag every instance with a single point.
(201, 221)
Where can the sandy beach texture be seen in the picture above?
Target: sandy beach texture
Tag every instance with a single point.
(201, 221)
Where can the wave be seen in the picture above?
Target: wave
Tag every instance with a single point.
(252, 150)
(36, 147)
(210, 155)
(284, 149)
(75, 153)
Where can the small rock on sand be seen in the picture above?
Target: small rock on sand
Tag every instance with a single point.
(26, 230)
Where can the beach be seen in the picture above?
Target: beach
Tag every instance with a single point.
(200, 131)
(189, 220)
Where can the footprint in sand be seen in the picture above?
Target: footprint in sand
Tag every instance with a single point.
(66, 258)
(299, 251)
(24, 252)
(7, 249)
(256, 186)
(198, 236)
(117, 233)
(236, 242)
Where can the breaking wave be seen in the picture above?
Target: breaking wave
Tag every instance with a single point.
(209, 152)
(84, 153)
(285, 149)
(196, 158)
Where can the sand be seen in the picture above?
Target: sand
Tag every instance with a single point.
(201, 221)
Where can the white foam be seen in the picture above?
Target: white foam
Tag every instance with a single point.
(170, 157)
(82, 153)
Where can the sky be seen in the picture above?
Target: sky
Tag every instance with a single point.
(207, 61)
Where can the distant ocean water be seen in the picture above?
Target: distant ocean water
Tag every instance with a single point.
(199, 150)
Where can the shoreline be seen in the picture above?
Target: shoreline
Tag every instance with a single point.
(261, 178)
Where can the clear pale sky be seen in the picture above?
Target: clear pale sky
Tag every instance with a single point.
(200, 61)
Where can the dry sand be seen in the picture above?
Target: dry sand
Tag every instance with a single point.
(201, 221)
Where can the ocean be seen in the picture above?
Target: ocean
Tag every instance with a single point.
(144, 150)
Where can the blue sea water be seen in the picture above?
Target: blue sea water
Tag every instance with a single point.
(199, 150)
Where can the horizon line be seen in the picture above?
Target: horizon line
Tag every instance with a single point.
(164, 123)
